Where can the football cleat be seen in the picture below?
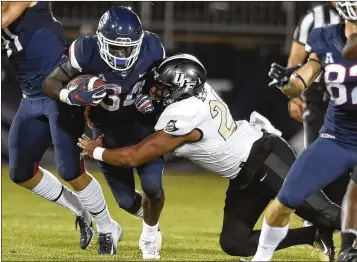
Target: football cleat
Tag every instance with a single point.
(149, 249)
(158, 240)
(348, 255)
(86, 230)
(324, 241)
(108, 242)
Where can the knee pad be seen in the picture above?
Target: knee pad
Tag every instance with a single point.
(70, 171)
(23, 174)
(155, 197)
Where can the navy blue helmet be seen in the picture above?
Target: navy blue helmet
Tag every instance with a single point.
(119, 37)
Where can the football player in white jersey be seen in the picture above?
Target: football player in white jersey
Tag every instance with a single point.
(197, 124)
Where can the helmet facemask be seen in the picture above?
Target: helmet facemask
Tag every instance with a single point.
(120, 54)
(347, 10)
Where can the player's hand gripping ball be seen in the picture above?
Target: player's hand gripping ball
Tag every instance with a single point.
(86, 90)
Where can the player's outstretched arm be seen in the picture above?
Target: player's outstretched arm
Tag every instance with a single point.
(303, 77)
(10, 11)
(350, 50)
(150, 148)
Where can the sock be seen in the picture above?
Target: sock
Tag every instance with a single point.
(149, 232)
(53, 190)
(140, 213)
(93, 199)
(270, 238)
(298, 236)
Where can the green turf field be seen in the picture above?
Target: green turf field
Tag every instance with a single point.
(35, 229)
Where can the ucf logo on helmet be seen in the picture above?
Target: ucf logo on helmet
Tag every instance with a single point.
(182, 80)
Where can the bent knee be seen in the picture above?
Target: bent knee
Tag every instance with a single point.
(24, 173)
(70, 172)
(234, 246)
(125, 202)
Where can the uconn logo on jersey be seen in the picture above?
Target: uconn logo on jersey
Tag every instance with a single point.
(182, 80)
(341, 83)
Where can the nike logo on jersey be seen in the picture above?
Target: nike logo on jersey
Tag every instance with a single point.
(141, 75)
(263, 177)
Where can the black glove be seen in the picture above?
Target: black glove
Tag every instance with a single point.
(144, 104)
(280, 75)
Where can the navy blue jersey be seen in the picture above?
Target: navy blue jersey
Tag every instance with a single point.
(118, 107)
(340, 76)
(34, 43)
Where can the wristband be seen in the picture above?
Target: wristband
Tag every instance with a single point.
(63, 95)
(98, 153)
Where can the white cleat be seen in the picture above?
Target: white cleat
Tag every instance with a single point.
(149, 249)
(158, 240)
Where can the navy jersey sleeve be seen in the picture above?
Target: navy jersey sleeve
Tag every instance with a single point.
(157, 50)
(317, 42)
(81, 53)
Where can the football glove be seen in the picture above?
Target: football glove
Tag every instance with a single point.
(144, 104)
(280, 75)
(81, 96)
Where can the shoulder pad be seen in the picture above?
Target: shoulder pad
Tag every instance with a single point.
(81, 52)
(154, 45)
(317, 41)
(182, 117)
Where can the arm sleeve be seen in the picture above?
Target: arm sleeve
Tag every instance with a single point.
(304, 28)
(80, 53)
(316, 42)
(180, 122)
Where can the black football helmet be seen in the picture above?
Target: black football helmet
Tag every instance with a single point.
(178, 77)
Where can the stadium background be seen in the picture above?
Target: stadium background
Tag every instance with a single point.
(236, 41)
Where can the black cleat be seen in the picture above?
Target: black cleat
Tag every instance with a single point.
(106, 246)
(324, 241)
(86, 231)
(348, 255)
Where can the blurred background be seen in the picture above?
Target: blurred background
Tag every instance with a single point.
(236, 41)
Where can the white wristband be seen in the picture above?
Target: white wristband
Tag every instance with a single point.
(98, 153)
(63, 96)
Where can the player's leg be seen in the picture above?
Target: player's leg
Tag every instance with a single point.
(243, 207)
(316, 101)
(319, 165)
(28, 140)
(349, 218)
(67, 124)
(153, 202)
(349, 207)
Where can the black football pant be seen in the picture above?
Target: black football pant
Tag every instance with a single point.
(256, 185)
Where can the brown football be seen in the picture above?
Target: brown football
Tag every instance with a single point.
(93, 83)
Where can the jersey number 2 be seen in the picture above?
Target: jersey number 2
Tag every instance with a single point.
(223, 130)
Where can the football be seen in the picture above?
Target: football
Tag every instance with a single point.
(93, 83)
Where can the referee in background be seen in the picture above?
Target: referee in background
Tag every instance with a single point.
(315, 97)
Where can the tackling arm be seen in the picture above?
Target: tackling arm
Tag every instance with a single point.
(10, 11)
(150, 148)
(303, 77)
